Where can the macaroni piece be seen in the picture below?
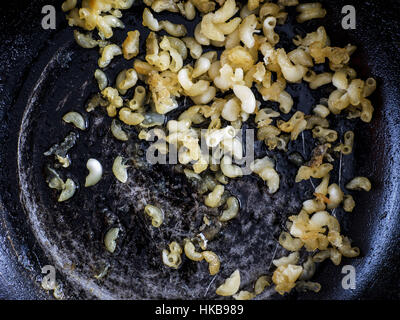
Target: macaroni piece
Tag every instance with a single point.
(230, 286)
(130, 46)
(213, 199)
(310, 11)
(285, 277)
(265, 169)
(172, 258)
(359, 183)
(107, 54)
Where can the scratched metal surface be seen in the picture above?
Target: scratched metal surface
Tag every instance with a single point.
(55, 76)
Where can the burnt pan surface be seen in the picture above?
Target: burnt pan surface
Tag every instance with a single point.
(45, 74)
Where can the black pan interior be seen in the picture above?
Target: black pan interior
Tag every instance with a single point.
(45, 74)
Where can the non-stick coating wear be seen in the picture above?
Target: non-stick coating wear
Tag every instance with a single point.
(374, 226)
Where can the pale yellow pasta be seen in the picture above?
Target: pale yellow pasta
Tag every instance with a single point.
(172, 258)
(194, 47)
(201, 67)
(227, 11)
(214, 137)
(138, 99)
(213, 199)
(176, 30)
(164, 5)
(232, 40)
(126, 79)
(161, 59)
(230, 286)
(68, 5)
(369, 87)
(226, 28)
(246, 30)
(359, 183)
(206, 96)
(301, 57)
(264, 117)
(178, 126)
(231, 211)
(204, 6)
(244, 295)
(313, 121)
(130, 46)
(335, 196)
(295, 125)
(229, 77)
(107, 54)
(347, 250)
(288, 3)
(291, 72)
(335, 256)
(285, 101)
(233, 147)
(290, 243)
(310, 11)
(149, 20)
(156, 215)
(306, 173)
(246, 96)
(129, 117)
(285, 277)
(269, 25)
(187, 9)
(119, 169)
(214, 25)
(85, 40)
(322, 188)
(321, 80)
(339, 80)
(190, 251)
(115, 101)
(101, 78)
(230, 170)
(355, 91)
(338, 100)
(321, 111)
(367, 110)
(193, 114)
(176, 58)
(323, 218)
(200, 37)
(261, 283)
(231, 110)
(213, 262)
(292, 258)
(347, 147)
(348, 203)
(265, 169)
(191, 88)
(324, 134)
(269, 9)
(313, 205)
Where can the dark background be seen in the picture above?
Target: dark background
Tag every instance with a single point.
(21, 41)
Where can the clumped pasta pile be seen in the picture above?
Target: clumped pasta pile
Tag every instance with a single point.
(227, 69)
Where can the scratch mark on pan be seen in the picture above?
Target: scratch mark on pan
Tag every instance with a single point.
(273, 256)
(205, 294)
(340, 167)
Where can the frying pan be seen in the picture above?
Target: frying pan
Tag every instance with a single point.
(45, 74)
